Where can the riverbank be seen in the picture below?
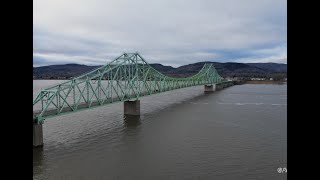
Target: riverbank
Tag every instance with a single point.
(266, 82)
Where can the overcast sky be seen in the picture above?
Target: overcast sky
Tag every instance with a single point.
(170, 32)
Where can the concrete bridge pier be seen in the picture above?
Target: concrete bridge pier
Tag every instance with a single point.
(210, 88)
(132, 107)
(37, 135)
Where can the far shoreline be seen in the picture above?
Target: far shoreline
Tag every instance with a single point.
(265, 82)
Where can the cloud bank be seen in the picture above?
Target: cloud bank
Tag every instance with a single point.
(171, 32)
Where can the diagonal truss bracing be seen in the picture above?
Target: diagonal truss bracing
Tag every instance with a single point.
(127, 77)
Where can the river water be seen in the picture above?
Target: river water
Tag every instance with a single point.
(237, 133)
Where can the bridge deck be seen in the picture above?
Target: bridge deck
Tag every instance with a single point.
(82, 106)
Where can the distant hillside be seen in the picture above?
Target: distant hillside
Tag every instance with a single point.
(65, 71)
(162, 68)
(275, 67)
(224, 69)
(229, 69)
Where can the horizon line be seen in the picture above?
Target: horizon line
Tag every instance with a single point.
(166, 65)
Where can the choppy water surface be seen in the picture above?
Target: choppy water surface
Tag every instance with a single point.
(236, 133)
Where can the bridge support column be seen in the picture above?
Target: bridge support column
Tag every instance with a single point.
(37, 135)
(209, 88)
(132, 107)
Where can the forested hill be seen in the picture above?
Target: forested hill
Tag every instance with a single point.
(229, 69)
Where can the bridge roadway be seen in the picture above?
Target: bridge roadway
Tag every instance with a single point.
(84, 105)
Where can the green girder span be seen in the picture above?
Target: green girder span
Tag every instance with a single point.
(127, 77)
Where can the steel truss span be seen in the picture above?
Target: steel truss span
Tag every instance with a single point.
(127, 77)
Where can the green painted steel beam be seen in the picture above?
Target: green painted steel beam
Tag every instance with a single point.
(127, 77)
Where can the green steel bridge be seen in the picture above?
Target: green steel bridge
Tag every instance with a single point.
(127, 77)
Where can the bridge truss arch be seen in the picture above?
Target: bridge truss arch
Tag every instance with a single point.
(127, 77)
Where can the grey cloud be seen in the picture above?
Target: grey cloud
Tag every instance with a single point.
(171, 32)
